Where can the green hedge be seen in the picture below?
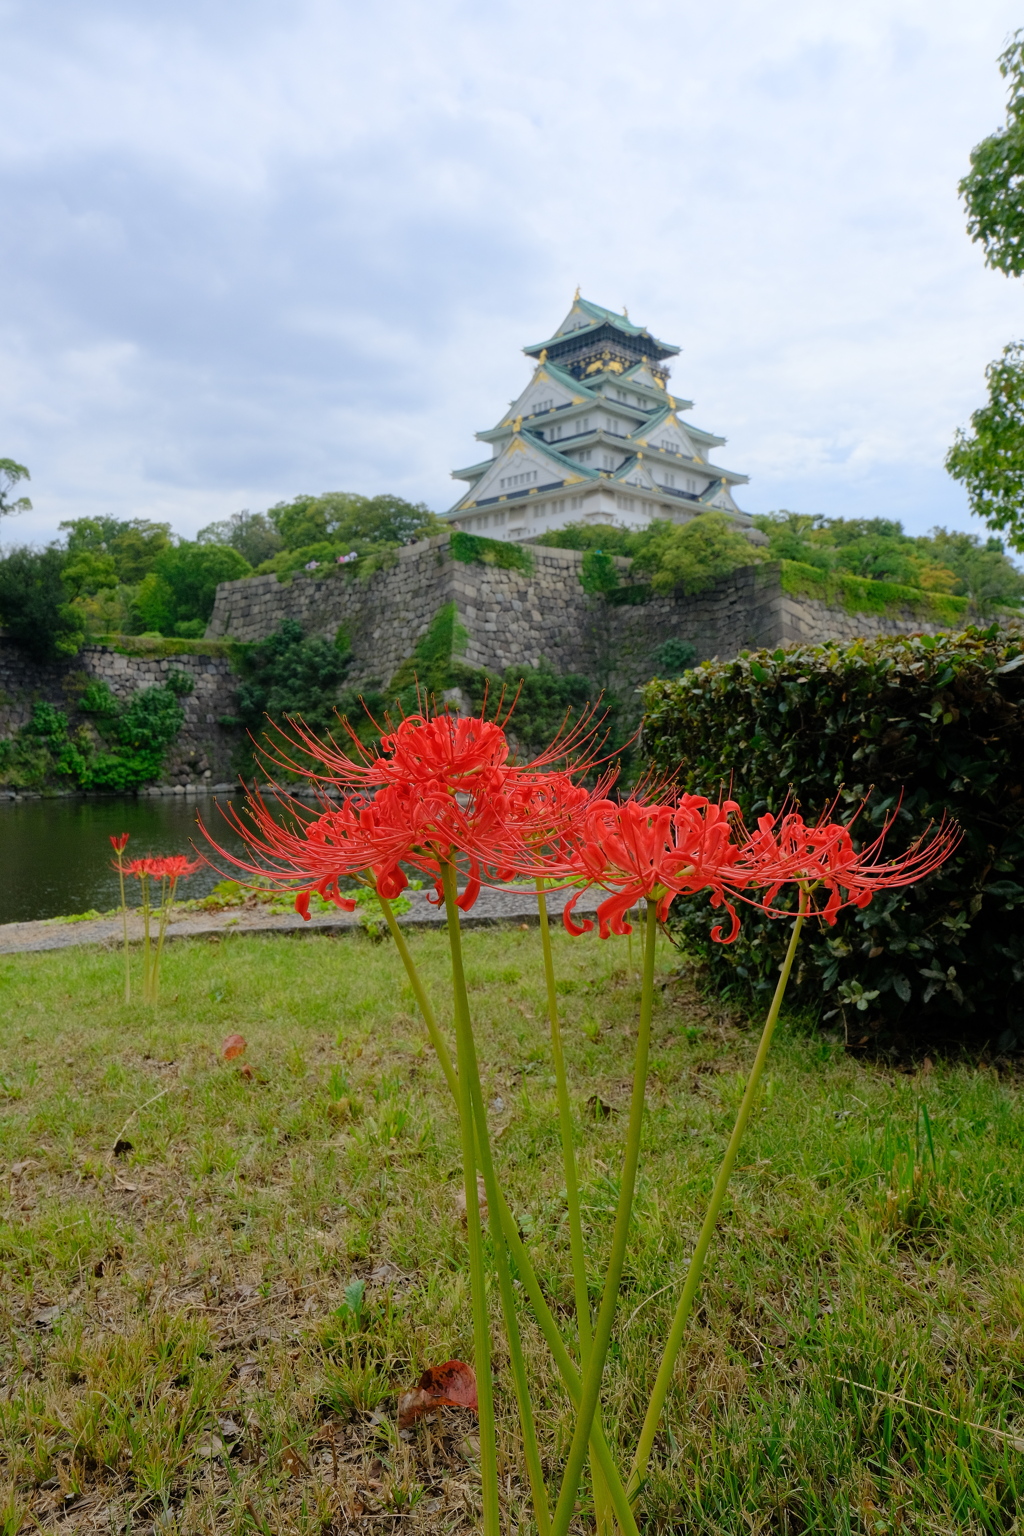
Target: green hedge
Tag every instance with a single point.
(940, 719)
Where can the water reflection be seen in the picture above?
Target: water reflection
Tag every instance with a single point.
(55, 854)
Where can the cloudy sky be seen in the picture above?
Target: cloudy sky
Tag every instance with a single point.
(252, 249)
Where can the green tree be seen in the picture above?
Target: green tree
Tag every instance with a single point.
(251, 533)
(134, 544)
(35, 606)
(11, 474)
(988, 461)
(991, 189)
(177, 596)
(982, 571)
(693, 556)
(344, 518)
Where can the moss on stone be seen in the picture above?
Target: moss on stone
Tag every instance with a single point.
(858, 594)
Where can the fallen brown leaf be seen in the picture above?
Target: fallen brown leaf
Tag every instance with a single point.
(451, 1385)
(293, 1462)
(233, 1046)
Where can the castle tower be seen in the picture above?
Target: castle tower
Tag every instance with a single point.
(594, 437)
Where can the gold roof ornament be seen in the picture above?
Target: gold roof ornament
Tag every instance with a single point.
(517, 425)
(625, 312)
(576, 295)
(543, 356)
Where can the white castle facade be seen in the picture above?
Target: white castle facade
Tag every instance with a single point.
(594, 437)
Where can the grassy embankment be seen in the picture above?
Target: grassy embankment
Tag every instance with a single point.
(193, 1292)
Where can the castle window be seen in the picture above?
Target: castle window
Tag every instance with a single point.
(510, 482)
(669, 480)
(543, 405)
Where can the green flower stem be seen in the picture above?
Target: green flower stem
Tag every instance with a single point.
(531, 1449)
(478, 1279)
(524, 1264)
(623, 1215)
(420, 994)
(166, 899)
(146, 985)
(572, 1188)
(124, 925)
(700, 1252)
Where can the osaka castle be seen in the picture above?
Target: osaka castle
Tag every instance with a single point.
(595, 437)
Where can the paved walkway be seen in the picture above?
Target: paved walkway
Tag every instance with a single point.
(492, 907)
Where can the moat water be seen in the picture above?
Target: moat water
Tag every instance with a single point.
(55, 855)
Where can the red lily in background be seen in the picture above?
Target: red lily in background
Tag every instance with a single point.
(786, 851)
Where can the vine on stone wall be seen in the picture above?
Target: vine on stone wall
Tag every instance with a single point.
(118, 747)
(473, 549)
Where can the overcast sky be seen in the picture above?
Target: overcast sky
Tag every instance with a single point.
(253, 249)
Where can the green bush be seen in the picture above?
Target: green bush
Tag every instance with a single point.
(286, 675)
(135, 735)
(124, 749)
(473, 549)
(936, 720)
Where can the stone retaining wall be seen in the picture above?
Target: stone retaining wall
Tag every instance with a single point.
(202, 751)
(512, 616)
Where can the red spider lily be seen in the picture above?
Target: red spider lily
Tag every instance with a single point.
(363, 837)
(119, 841)
(785, 850)
(175, 867)
(462, 753)
(316, 854)
(656, 851)
(141, 869)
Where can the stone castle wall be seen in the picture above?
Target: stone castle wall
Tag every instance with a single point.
(202, 750)
(512, 616)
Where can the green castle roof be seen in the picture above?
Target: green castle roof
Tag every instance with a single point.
(597, 319)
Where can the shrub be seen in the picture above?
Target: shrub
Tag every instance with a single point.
(35, 603)
(290, 674)
(136, 734)
(472, 548)
(940, 719)
(123, 750)
(693, 556)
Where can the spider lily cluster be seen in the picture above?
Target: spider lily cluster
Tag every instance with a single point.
(164, 873)
(445, 797)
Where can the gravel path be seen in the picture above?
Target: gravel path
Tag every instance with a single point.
(492, 907)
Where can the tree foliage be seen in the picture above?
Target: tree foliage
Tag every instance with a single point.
(927, 726)
(251, 533)
(959, 564)
(993, 189)
(343, 519)
(35, 603)
(177, 596)
(691, 557)
(11, 475)
(989, 460)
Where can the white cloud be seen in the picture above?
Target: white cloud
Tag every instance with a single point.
(259, 248)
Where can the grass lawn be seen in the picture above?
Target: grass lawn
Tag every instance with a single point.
(207, 1331)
